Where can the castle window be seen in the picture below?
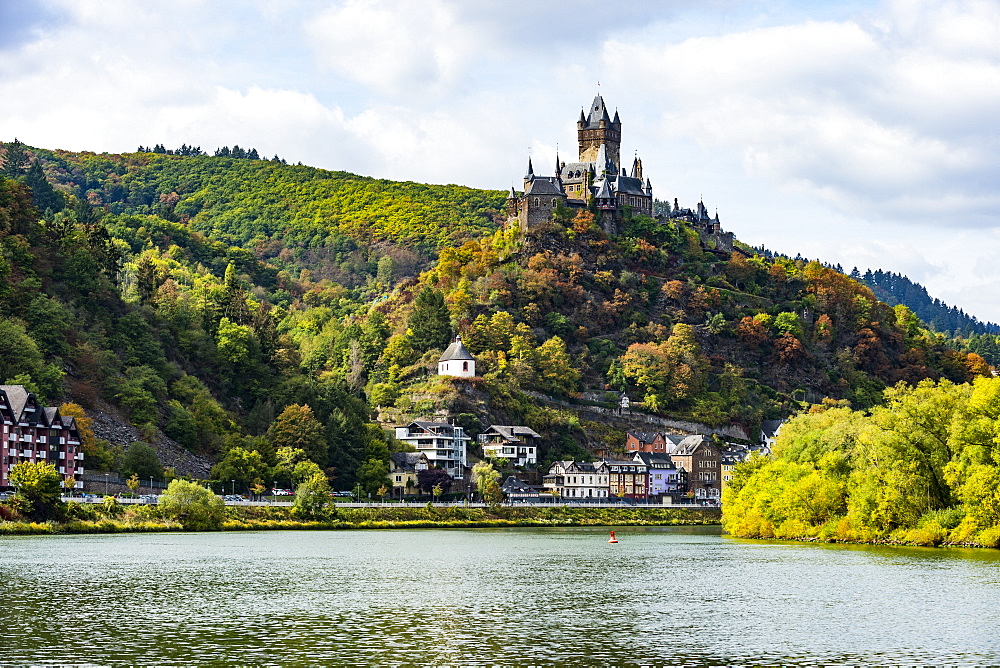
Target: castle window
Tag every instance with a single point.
(465, 366)
(536, 201)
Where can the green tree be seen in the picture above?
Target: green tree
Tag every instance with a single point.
(141, 460)
(242, 465)
(15, 158)
(312, 498)
(487, 481)
(133, 483)
(430, 321)
(298, 428)
(372, 474)
(38, 489)
(196, 508)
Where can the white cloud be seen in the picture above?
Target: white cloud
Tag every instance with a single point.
(861, 136)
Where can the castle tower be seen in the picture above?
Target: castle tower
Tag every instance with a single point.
(596, 129)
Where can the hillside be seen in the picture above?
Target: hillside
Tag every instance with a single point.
(212, 299)
(898, 289)
(335, 224)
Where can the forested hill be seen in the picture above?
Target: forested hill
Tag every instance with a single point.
(335, 224)
(898, 289)
(237, 305)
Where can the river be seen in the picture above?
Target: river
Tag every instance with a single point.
(475, 597)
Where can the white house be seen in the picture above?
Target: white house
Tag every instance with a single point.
(444, 445)
(518, 445)
(578, 480)
(457, 361)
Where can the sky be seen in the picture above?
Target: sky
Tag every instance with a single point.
(859, 133)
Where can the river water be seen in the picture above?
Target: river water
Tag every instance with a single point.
(474, 597)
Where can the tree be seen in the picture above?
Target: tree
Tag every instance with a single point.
(298, 428)
(430, 321)
(242, 465)
(312, 498)
(44, 196)
(141, 460)
(429, 478)
(196, 508)
(372, 474)
(84, 426)
(133, 483)
(15, 158)
(38, 489)
(487, 481)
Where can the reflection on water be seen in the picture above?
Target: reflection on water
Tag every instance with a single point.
(526, 596)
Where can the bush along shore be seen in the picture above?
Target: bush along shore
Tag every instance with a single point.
(115, 518)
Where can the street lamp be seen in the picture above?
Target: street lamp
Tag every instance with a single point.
(106, 483)
(234, 487)
(150, 484)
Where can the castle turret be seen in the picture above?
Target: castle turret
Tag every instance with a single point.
(529, 175)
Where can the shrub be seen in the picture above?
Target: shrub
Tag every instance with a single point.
(196, 508)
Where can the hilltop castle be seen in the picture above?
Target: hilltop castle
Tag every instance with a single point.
(598, 181)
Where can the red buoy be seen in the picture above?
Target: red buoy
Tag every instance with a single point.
(613, 539)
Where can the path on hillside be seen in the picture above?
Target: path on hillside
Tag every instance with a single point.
(632, 421)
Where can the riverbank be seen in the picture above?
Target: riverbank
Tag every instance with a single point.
(144, 519)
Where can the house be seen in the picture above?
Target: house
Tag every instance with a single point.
(730, 456)
(457, 361)
(35, 433)
(577, 480)
(636, 441)
(701, 458)
(518, 445)
(627, 479)
(444, 445)
(403, 469)
(769, 434)
(518, 490)
(666, 481)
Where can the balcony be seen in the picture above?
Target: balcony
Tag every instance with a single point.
(79, 456)
(26, 453)
(42, 439)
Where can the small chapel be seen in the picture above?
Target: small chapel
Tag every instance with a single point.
(457, 361)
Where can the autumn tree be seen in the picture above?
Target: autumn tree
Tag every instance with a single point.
(298, 428)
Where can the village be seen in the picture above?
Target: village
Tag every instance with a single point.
(657, 467)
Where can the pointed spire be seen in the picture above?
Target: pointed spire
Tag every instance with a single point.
(636, 168)
(558, 169)
(583, 117)
(531, 172)
(617, 120)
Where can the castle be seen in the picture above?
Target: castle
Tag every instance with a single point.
(598, 182)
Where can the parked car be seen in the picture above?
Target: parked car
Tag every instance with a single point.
(282, 492)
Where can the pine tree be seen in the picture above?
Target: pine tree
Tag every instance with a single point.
(430, 321)
(15, 158)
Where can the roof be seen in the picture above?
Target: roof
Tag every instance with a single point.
(655, 460)
(769, 428)
(627, 184)
(543, 185)
(604, 191)
(513, 433)
(408, 460)
(427, 426)
(690, 444)
(17, 397)
(514, 486)
(598, 113)
(456, 351)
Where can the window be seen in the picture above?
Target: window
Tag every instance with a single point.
(465, 366)
(399, 478)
